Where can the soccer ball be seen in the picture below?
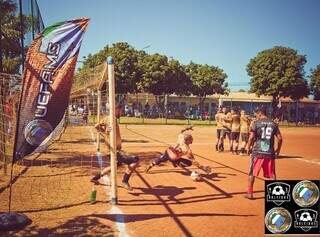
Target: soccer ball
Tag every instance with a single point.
(195, 176)
(305, 216)
(278, 190)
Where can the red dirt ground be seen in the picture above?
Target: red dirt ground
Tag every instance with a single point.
(53, 188)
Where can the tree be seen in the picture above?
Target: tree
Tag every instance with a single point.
(126, 59)
(206, 80)
(278, 72)
(242, 90)
(315, 82)
(161, 77)
(11, 27)
(155, 71)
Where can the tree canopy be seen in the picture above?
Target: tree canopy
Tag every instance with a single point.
(206, 80)
(10, 40)
(315, 82)
(278, 72)
(137, 71)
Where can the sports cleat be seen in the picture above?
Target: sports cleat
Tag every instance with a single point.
(127, 186)
(96, 182)
(207, 169)
(96, 178)
(148, 169)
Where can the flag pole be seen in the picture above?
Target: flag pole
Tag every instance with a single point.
(14, 220)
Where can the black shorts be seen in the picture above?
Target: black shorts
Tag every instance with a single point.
(225, 132)
(165, 157)
(183, 162)
(219, 133)
(128, 160)
(245, 137)
(235, 136)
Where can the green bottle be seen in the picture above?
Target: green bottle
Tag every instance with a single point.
(93, 196)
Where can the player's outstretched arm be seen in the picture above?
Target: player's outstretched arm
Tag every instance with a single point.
(187, 128)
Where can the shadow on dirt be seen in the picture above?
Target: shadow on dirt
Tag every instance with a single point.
(79, 226)
(142, 217)
(288, 157)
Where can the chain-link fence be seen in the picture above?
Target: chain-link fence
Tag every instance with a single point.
(151, 109)
(9, 98)
(48, 181)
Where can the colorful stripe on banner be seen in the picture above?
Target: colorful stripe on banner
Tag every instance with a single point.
(46, 85)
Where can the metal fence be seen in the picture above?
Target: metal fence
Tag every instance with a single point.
(9, 98)
(150, 109)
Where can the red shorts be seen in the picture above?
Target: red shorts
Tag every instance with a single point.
(266, 163)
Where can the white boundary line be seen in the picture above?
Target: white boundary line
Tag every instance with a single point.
(114, 210)
(316, 162)
(308, 161)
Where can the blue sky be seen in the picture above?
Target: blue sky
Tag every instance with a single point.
(221, 33)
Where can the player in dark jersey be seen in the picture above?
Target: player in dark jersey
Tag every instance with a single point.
(263, 132)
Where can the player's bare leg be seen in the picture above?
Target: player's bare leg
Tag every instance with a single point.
(229, 141)
(100, 175)
(249, 193)
(127, 175)
(220, 144)
(243, 148)
(217, 144)
(231, 145)
(235, 147)
(163, 158)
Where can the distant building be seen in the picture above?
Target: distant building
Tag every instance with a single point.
(305, 110)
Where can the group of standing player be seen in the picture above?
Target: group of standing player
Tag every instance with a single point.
(257, 138)
(231, 126)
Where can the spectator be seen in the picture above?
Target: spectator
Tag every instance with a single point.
(85, 115)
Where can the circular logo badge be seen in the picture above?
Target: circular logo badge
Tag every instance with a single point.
(265, 145)
(278, 220)
(305, 193)
(37, 131)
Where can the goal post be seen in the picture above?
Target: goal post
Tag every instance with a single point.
(112, 122)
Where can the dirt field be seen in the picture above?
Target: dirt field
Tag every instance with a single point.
(53, 188)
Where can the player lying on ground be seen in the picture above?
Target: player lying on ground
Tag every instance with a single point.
(179, 154)
(263, 131)
(122, 158)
